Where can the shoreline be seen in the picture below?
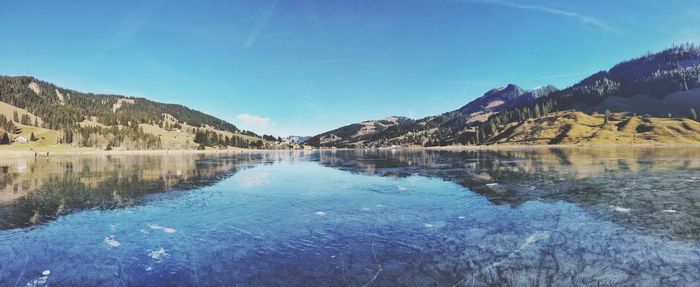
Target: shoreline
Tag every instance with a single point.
(9, 153)
(564, 146)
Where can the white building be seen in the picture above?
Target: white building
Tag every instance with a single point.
(21, 139)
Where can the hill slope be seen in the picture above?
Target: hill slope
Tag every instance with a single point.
(582, 129)
(61, 108)
(663, 84)
(357, 133)
(58, 116)
(499, 99)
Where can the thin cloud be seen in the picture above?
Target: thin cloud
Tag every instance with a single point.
(254, 120)
(259, 26)
(127, 31)
(275, 35)
(555, 77)
(516, 73)
(585, 19)
(254, 179)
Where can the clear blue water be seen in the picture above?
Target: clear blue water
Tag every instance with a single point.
(355, 218)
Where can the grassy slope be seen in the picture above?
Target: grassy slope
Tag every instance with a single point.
(8, 111)
(184, 140)
(47, 138)
(46, 141)
(580, 128)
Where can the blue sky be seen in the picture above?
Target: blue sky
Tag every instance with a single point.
(304, 67)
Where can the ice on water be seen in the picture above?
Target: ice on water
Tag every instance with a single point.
(109, 240)
(531, 217)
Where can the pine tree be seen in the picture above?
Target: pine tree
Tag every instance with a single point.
(607, 117)
(32, 137)
(5, 138)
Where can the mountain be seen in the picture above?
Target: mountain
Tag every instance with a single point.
(406, 131)
(661, 84)
(357, 133)
(502, 98)
(62, 108)
(372, 132)
(654, 76)
(63, 116)
(296, 139)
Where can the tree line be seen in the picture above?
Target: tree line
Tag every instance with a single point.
(62, 108)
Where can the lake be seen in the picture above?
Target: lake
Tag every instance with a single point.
(545, 216)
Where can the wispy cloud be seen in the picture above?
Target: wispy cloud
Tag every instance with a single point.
(259, 25)
(555, 77)
(127, 30)
(253, 179)
(254, 120)
(585, 19)
(516, 73)
(275, 35)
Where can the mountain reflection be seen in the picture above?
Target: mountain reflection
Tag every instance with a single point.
(654, 189)
(33, 191)
(651, 189)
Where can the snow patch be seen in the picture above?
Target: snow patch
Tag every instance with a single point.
(41, 281)
(494, 104)
(109, 240)
(165, 229)
(537, 236)
(157, 254)
(621, 209)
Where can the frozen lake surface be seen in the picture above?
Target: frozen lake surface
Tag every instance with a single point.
(609, 216)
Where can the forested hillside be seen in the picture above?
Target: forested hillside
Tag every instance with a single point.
(656, 75)
(62, 108)
(655, 85)
(78, 119)
(361, 132)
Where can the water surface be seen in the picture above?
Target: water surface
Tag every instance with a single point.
(613, 216)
